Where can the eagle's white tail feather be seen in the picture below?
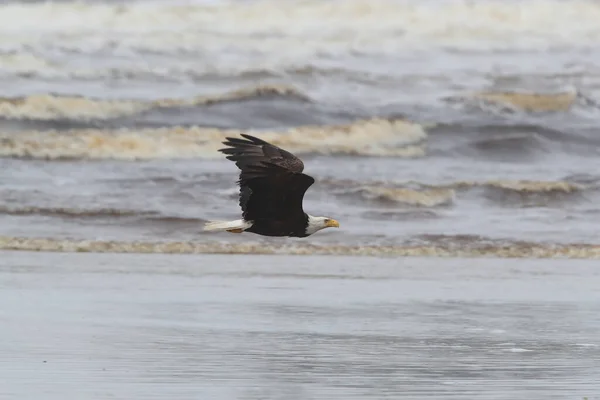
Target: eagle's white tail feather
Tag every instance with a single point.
(222, 226)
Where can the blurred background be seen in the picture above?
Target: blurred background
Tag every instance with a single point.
(445, 123)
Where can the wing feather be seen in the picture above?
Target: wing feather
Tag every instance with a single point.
(253, 150)
(271, 181)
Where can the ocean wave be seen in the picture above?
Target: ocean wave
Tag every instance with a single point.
(372, 137)
(518, 101)
(169, 68)
(296, 29)
(102, 213)
(503, 192)
(404, 196)
(526, 186)
(533, 193)
(520, 186)
(442, 246)
(55, 107)
(70, 211)
(400, 214)
(521, 139)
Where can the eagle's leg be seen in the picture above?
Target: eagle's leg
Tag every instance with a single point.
(235, 230)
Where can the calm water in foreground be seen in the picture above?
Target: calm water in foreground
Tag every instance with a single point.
(104, 326)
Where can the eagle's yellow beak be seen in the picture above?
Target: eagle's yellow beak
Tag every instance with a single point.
(332, 223)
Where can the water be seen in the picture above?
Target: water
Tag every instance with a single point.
(441, 124)
(97, 326)
(438, 128)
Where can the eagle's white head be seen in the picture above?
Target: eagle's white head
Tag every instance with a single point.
(315, 224)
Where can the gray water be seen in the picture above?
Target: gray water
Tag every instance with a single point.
(425, 122)
(90, 326)
(433, 128)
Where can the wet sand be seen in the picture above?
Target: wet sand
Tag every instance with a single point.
(127, 326)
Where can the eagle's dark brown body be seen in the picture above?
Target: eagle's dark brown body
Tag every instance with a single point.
(272, 187)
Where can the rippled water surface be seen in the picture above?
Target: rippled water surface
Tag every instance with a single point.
(451, 125)
(92, 326)
(462, 129)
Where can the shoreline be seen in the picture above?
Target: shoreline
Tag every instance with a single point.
(517, 250)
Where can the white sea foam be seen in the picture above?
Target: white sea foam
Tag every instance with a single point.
(531, 250)
(373, 137)
(296, 29)
(49, 107)
(190, 43)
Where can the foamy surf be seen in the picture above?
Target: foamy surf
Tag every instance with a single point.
(78, 108)
(523, 101)
(409, 197)
(313, 26)
(52, 107)
(527, 186)
(71, 211)
(385, 198)
(373, 137)
(447, 248)
(418, 194)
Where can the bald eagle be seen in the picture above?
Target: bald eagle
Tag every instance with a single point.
(272, 187)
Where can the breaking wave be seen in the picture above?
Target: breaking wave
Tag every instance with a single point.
(524, 186)
(70, 212)
(442, 246)
(404, 196)
(503, 192)
(312, 26)
(55, 107)
(373, 137)
(408, 202)
(521, 101)
(528, 193)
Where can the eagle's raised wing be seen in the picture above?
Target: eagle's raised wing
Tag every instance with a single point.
(254, 152)
(272, 184)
